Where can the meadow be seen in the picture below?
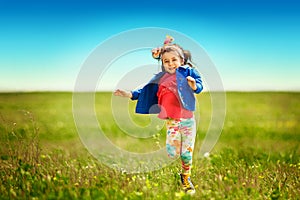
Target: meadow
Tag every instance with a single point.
(256, 157)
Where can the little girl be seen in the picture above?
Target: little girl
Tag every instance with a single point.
(171, 94)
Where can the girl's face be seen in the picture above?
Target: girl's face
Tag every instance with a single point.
(171, 61)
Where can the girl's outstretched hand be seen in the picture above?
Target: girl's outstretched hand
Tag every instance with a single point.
(122, 93)
(192, 82)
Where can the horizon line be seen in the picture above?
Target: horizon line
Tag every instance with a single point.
(99, 91)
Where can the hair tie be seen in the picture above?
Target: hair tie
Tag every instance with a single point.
(169, 39)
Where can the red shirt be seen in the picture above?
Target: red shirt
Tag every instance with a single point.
(168, 99)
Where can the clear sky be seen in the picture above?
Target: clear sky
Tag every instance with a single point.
(254, 44)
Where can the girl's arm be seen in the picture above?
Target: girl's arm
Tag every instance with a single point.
(134, 94)
(123, 93)
(194, 81)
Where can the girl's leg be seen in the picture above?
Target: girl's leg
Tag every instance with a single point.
(173, 141)
(188, 135)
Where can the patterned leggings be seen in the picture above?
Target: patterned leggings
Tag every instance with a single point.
(181, 134)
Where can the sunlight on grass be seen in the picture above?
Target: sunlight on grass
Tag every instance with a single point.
(41, 156)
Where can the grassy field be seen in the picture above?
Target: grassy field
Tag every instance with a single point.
(256, 157)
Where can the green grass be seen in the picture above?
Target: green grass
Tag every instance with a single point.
(42, 157)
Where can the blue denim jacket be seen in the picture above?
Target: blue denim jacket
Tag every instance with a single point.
(147, 96)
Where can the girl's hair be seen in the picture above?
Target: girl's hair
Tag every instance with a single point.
(184, 54)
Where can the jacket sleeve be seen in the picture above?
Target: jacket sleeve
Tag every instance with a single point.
(195, 74)
(135, 94)
(155, 79)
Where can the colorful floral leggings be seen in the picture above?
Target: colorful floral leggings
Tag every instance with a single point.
(181, 134)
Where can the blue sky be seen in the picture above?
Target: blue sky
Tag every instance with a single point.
(255, 45)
